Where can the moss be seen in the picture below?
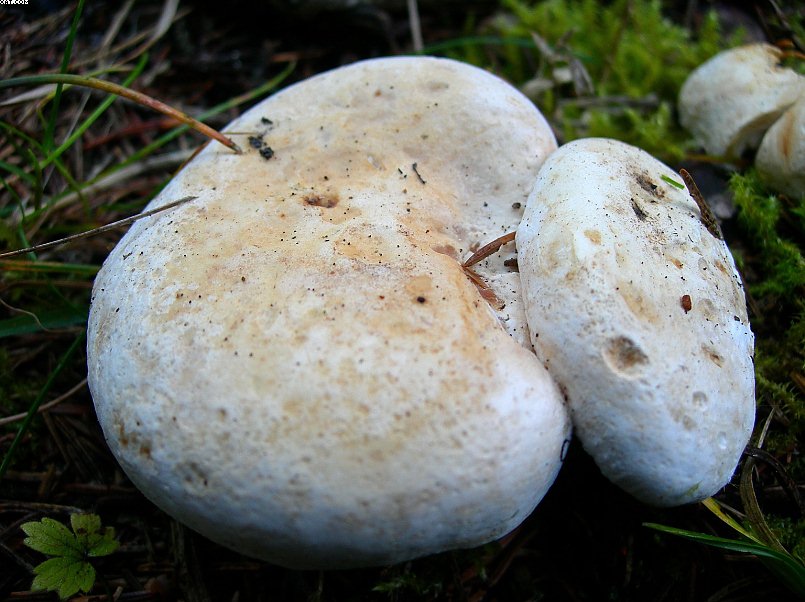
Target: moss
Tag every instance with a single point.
(791, 534)
(773, 262)
(635, 56)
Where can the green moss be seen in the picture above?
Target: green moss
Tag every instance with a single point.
(635, 56)
(791, 534)
(773, 263)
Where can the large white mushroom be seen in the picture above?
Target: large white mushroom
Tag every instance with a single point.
(296, 365)
(730, 101)
(637, 310)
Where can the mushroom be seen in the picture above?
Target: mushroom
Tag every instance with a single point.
(780, 159)
(296, 365)
(636, 308)
(730, 101)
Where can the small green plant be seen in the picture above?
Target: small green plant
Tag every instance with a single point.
(609, 69)
(69, 569)
(788, 567)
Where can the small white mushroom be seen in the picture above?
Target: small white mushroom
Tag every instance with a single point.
(780, 159)
(730, 101)
(296, 365)
(637, 311)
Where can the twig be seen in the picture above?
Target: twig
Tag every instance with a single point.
(45, 406)
(489, 249)
(707, 217)
(44, 508)
(30, 314)
(101, 229)
(416, 26)
(16, 558)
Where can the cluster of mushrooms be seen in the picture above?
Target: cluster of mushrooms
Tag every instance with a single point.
(745, 99)
(301, 363)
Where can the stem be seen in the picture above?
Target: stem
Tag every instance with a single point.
(133, 95)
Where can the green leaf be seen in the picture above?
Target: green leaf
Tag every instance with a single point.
(79, 576)
(50, 573)
(63, 575)
(51, 537)
(86, 577)
(787, 568)
(85, 524)
(713, 506)
(69, 571)
(673, 182)
(103, 544)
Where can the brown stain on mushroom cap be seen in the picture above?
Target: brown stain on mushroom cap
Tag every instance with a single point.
(639, 301)
(624, 356)
(326, 200)
(593, 235)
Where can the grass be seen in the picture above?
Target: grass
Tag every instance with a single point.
(71, 161)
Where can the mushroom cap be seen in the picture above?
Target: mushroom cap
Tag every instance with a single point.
(295, 365)
(638, 312)
(729, 102)
(780, 159)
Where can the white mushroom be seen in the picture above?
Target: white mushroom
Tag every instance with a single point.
(637, 310)
(780, 159)
(730, 101)
(296, 365)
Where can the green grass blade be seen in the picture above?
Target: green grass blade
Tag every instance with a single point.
(17, 171)
(64, 317)
(63, 361)
(50, 267)
(107, 102)
(785, 566)
(714, 507)
(29, 158)
(65, 63)
(35, 144)
(753, 511)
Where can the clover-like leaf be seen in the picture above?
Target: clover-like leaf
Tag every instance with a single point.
(50, 574)
(53, 538)
(80, 576)
(103, 544)
(69, 571)
(64, 575)
(85, 524)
